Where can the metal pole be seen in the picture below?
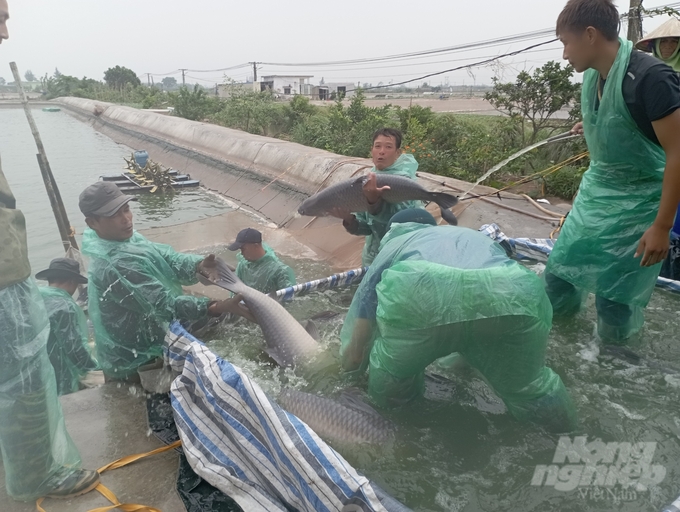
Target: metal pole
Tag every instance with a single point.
(65, 229)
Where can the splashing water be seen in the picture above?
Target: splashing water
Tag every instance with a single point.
(500, 165)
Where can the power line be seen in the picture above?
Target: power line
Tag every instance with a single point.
(217, 70)
(480, 63)
(466, 46)
(424, 63)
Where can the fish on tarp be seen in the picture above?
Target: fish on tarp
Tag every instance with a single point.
(349, 196)
(348, 420)
(288, 342)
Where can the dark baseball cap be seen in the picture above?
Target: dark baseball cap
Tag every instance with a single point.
(62, 269)
(246, 236)
(412, 215)
(103, 199)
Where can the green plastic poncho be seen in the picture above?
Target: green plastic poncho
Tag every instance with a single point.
(268, 274)
(374, 227)
(617, 202)
(135, 291)
(67, 345)
(34, 443)
(438, 290)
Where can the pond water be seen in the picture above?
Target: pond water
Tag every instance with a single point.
(78, 156)
(459, 450)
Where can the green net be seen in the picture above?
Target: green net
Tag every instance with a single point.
(36, 448)
(436, 291)
(67, 346)
(268, 274)
(618, 201)
(375, 226)
(135, 290)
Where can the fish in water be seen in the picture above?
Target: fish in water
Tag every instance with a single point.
(625, 354)
(288, 342)
(347, 421)
(349, 195)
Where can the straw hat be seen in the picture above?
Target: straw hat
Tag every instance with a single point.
(669, 29)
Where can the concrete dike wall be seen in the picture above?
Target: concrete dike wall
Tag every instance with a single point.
(250, 169)
(272, 177)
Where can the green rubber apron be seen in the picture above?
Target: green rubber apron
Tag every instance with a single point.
(618, 199)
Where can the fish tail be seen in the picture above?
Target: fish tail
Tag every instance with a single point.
(444, 200)
(227, 278)
(449, 216)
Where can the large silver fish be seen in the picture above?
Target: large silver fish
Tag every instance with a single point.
(347, 421)
(349, 195)
(288, 343)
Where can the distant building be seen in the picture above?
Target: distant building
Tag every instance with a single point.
(287, 85)
(227, 90)
(331, 91)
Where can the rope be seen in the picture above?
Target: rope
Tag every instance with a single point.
(104, 491)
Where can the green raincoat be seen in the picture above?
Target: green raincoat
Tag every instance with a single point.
(268, 274)
(67, 345)
(34, 443)
(135, 291)
(617, 202)
(374, 227)
(438, 290)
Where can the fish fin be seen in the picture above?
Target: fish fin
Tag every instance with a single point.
(274, 354)
(444, 200)
(352, 398)
(312, 330)
(622, 353)
(325, 315)
(449, 216)
(226, 278)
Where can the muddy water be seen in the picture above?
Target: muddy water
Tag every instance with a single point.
(78, 155)
(459, 450)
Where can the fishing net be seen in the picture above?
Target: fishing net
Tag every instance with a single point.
(67, 346)
(435, 291)
(135, 291)
(33, 438)
(375, 226)
(268, 274)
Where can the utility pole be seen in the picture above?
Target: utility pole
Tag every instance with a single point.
(635, 21)
(254, 71)
(148, 79)
(183, 72)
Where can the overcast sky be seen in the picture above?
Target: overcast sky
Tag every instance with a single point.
(85, 37)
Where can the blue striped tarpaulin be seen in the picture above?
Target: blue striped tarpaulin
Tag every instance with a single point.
(241, 442)
(538, 249)
(342, 279)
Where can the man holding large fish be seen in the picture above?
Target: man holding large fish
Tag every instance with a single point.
(366, 204)
(135, 285)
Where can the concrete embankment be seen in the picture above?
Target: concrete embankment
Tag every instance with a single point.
(271, 177)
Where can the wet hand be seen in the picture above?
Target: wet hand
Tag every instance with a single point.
(372, 192)
(577, 129)
(208, 268)
(356, 350)
(653, 246)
